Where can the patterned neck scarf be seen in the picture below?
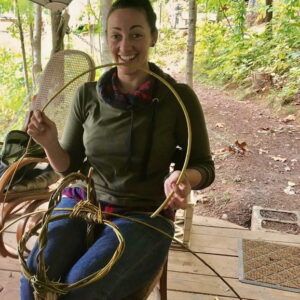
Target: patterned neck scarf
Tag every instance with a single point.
(109, 92)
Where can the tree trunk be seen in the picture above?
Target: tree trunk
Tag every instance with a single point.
(91, 30)
(105, 6)
(191, 42)
(56, 17)
(36, 43)
(269, 12)
(269, 16)
(91, 38)
(20, 28)
(59, 25)
(31, 38)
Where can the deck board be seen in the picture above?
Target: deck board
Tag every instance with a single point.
(9, 264)
(177, 295)
(187, 263)
(9, 283)
(188, 279)
(212, 285)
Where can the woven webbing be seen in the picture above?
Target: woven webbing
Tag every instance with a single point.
(62, 68)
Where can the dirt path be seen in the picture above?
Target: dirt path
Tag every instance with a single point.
(267, 174)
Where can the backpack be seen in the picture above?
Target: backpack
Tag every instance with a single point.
(13, 148)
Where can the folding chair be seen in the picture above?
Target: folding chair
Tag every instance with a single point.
(159, 281)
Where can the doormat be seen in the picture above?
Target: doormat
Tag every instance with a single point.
(269, 264)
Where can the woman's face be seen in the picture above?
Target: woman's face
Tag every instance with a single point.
(129, 38)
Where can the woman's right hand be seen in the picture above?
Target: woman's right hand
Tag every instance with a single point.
(42, 129)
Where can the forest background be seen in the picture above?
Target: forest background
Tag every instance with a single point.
(253, 46)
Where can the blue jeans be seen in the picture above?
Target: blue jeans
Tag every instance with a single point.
(68, 260)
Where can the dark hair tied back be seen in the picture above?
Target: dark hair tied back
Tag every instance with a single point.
(143, 5)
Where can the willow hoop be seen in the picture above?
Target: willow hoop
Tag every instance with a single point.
(40, 281)
(143, 223)
(22, 245)
(179, 100)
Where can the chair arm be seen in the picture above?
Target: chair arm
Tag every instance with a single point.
(7, 175)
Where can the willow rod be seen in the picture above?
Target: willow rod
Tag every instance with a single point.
(143, 223)
(178, 98)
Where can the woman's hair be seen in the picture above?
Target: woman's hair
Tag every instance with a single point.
(142, 5)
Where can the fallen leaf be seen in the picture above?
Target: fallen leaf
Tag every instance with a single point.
(220, 125)
(289, 118)
(224, 217)
(289, 190)
(261, 151)
(237, 179)
(290, 183)
(278, 158)
(204, 199)
(237, 147)
(220, 151)
(287, 169)
(265, 128)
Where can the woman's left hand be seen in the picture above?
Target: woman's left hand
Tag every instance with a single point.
(181, 192)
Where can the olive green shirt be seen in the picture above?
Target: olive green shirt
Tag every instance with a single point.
(98, 134)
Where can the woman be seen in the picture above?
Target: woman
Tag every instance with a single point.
(129, 127)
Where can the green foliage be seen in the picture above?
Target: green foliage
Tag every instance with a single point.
(12, 83)
(12, 91)
(26, 12)
(229, 52)
(6, 5)
(25, 8)
(86, 27)
(170, 48)
(238, 11)
(212, 5)
(291, 86)
(92, 11)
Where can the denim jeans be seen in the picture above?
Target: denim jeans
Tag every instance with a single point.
(68, 260)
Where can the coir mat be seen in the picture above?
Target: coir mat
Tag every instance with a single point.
(269, 264)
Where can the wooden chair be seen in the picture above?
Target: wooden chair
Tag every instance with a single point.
(160, 279)
(183, 221)
(183, 226)
(61, 68)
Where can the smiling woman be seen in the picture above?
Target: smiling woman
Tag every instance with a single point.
(129, 36)
(129, 127)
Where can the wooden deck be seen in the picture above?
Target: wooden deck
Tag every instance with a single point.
(188, 279)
